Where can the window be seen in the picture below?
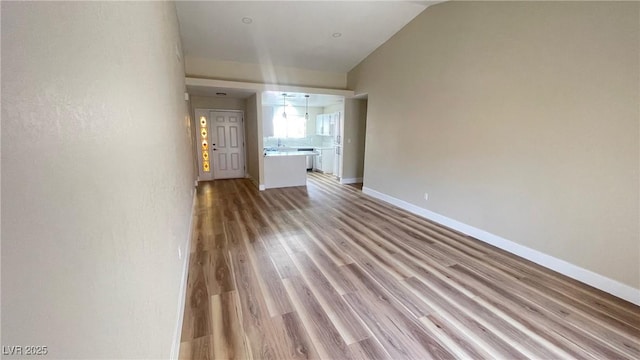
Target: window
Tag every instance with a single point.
(293, 127)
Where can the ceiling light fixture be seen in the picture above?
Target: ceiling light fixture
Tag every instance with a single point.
(306, 115)
(284, 111)
(247, 20)
(336, 34)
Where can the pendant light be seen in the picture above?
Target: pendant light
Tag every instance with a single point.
(284, 110)
(306, 114)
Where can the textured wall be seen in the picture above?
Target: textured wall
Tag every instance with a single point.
(518, 118)
(97, 177)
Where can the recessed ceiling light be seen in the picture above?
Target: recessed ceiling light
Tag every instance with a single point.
(336, 35)
(221, 94)
(247, 20)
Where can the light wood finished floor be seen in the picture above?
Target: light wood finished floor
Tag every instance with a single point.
(324, 271)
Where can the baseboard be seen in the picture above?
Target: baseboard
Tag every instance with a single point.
(588, 277)
(256, 183)
(175, 346)
(350, 180)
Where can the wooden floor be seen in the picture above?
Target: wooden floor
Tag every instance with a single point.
(324, 271)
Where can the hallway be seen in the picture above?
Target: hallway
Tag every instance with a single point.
(327, 272)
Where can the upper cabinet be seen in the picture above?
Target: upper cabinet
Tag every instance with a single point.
(319, 124)
(328, 124)
(336, 128)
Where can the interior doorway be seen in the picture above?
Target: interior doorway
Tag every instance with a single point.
(304, 122)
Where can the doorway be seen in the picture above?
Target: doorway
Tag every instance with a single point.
(221, 135)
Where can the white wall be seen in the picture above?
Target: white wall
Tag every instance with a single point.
(518, 118)
(354, 126)
(97, 177)
(251, 130)
(256, 73)
(217, 103)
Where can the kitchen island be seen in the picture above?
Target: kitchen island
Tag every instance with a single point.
(286, 168)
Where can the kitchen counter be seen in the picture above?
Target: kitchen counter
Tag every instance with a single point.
(290, 153)
(285, 168)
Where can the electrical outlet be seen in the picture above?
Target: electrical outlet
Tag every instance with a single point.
(426, 196)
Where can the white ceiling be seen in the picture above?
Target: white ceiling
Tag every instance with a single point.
(292, 33)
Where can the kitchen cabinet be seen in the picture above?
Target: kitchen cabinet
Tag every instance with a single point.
(323, 125)
(319, 124)
(328, 124)
(336, 129)
(324, 162)
(284, 169)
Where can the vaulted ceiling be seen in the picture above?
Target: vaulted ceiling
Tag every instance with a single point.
(329, 36)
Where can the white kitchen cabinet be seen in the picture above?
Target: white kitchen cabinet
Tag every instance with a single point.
(284, 170)
(323, 126)
(327, 164)
(336, 160)
(324, 161)
(328, 124)
(337, 129)
(319, 123)
(317, 161)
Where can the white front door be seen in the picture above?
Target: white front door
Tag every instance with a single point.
(227, 144)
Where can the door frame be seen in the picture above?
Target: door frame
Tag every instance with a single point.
(244, 135)
(197, 139)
